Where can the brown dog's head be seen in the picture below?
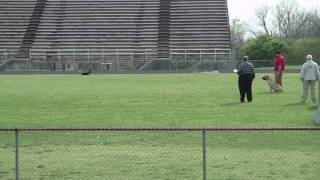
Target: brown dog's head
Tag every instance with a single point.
(266, 77)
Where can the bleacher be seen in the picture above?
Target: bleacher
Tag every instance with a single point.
(126, 31)
(14, 21)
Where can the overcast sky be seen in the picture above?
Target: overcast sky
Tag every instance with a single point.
(245, 9)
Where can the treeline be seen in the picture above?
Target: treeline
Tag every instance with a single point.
(284, 27)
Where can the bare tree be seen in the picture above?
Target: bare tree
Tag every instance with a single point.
(312, 26)
(262, 15)
(286, 15)
(288, 21)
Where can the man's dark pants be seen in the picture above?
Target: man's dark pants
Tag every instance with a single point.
(245, 87)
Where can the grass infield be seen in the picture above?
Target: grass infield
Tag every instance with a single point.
(166, 100)
(182, 100)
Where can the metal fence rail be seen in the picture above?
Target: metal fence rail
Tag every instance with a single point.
(88, 55)
(112, 59)
(46, 153)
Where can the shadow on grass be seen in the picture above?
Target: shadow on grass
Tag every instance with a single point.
(264, 92)
(295, 104)
(313, 107)
(316, 124)
(230, 104)
(268, 92)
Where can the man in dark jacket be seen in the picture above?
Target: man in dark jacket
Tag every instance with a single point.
(246, 74)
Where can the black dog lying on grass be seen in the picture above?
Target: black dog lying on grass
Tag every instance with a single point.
(86, 73)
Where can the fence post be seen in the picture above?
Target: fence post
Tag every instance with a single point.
(132, 63)
(200, 56)
(118, 63)
(103, 56)
(185, 55)
(44, 55)
(59, 55)
(30, 54)
(146, 56)
(215, 59)
(5, 56)
(17, 153)
(88, 56)
(230, 56)
(174, 61)
(204, 155)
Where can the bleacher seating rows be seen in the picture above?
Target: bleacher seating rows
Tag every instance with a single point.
(114, 24)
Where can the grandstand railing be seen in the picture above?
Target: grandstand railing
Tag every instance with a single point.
(203, 131)
(202, 55)
(60, 55)
(93, 54)
(116, 57)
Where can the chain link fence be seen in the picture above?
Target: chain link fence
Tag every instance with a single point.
(266, 66)
(292, 65)
(123, 154)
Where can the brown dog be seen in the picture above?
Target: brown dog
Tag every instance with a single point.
(274, 87)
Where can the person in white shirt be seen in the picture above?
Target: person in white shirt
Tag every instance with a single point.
(309, 76)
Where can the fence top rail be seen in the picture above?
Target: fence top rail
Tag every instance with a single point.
(81, 50)
(203, 53)
(119, 49)
(158, 129)
(204, 49)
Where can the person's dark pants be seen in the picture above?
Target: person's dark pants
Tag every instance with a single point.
(245, 87)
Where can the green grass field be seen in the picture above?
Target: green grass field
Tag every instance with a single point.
(187, 100)
(166, 100)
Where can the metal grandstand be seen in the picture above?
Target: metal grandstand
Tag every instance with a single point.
(113, 35)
